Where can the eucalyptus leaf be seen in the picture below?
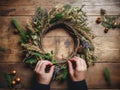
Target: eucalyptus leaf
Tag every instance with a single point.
(31, 61)
(2, 49)
(67, 6)
(107, 76)
(8, 78)
(20, 29)
(64, 74)
(57, 17)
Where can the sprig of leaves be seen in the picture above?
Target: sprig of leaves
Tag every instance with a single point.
(9, 78)
(24, 36)
(2, 49)
(109, 22)
(34, 57)
(107, 76)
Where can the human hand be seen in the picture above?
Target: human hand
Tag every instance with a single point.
(40, 69)
(78, 70)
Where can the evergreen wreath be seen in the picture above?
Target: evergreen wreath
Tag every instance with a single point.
(71, 19)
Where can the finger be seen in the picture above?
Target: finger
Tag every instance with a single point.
(44, 64)
(51, 70)
(84, 65)
(78, 64)
(81, 65)
(38, 64)
(70, 68)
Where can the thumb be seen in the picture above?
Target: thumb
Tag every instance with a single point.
(51, 70)
(70, 68)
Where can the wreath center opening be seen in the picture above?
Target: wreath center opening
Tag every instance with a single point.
(59, 39)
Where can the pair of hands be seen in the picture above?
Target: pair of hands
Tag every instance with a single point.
(77, 73)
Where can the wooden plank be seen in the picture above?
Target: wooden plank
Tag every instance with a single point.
(107, 49)
(61, 89)
(26, 2)
(17, 10)
(52, 2)
(88, 2)
(107, 45)
(30, 10)
(95, 77)
(108, 55)
(98, 29)
(102, 2)
(95, 10)
(6, 26)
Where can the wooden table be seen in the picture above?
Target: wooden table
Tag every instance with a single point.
(107, 45)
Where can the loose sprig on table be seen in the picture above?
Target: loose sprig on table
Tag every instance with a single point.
(2, 49)
(108, 21)
(12, 79)
(73, 20)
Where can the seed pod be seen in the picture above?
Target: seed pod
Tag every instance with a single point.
(18, 79)
(13, 72)
(115, 24)
(13, 82)
(30, 41)
(79, 49)
(102, 11)
(98, 21)
(106, 30)
(15, 31)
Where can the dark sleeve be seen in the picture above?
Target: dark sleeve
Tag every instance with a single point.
(79, 85)
(38, 86)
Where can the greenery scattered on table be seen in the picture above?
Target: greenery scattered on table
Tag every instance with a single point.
(107, 76)
(73, 17)
(108, 21)
(2, 49)
(11, 78)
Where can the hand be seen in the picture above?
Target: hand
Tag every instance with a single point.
(43, 76)
(78, 70)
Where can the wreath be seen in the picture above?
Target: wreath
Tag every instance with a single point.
(71, 19)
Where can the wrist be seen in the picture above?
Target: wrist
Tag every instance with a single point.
(77, 79)
(43, 82)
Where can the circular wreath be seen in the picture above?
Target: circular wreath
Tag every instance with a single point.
(71, 19)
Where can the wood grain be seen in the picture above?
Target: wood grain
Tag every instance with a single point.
(30, 10)
(107, 45)
(60, 42)
(26, 2)
(95, 76)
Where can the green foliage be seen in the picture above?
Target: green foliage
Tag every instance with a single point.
(67, 6)
(40, 19)
(73, 17)
(64, 74)
(108, 21)
(107, 76)
(2, 49)
(31, 61)
(36, 56)
(21, 30)
(57, 17)
(8, 78)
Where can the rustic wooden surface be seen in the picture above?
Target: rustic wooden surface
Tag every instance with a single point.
(107, 45)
